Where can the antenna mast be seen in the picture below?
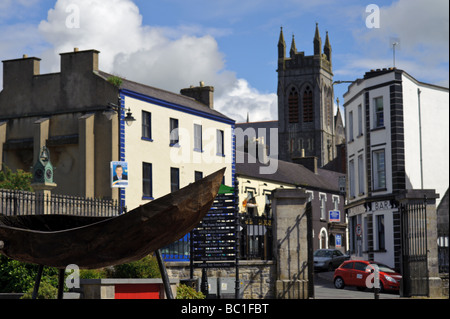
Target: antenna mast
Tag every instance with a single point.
(394, 43)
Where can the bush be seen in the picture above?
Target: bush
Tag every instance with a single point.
(46, 291)
(18, 277)
(92, 273)
(147, 267)
(186, 292)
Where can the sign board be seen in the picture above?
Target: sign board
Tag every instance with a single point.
(119, 174)
(214, 240)
(338, 239)
(334, 216)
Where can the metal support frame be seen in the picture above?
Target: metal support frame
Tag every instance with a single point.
(164, 276)
(37, 282)
(61, 283)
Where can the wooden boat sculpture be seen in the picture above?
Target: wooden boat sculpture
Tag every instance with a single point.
(90, 242)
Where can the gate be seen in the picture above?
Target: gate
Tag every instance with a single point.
(414, 249)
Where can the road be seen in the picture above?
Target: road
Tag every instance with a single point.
(324, 289)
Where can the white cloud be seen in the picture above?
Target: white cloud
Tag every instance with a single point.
(167, 58)
(261, 107)
(422, 29)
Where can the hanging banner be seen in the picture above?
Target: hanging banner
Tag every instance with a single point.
(119, 174)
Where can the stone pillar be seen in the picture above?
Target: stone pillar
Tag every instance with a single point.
(3, 126)
(86, 155)
(43, 197)
(415, 196)
(290, 243)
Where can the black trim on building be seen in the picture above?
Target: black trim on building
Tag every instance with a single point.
(397, 138)
(368, 147)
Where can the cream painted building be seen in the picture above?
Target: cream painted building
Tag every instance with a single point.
(65, 111)
(255, 190)
(159, 161)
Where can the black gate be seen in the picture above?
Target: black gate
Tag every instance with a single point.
(414, 249)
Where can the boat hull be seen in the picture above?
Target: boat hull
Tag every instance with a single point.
(109, 241)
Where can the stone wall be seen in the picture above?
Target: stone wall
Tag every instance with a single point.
(257, 277)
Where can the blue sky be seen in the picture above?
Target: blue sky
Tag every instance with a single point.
(229, 44)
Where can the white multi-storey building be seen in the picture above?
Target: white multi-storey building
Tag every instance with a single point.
(397, 140)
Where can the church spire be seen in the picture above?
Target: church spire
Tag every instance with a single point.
(317, 41)
(281, 46)
(327, 48)
(293, 50)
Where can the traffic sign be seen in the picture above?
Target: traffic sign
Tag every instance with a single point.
(358, 230)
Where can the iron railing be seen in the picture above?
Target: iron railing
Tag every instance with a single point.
(256, 237)
(15, 202)
(443, 254)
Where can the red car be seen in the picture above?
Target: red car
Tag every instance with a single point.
(355, 273)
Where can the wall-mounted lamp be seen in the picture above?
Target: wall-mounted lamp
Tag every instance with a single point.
(113, 109)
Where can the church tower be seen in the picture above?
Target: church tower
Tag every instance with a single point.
(305, 102)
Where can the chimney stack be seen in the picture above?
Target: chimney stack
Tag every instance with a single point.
(79, 61)
(310, 162)
(19, 72)
(203, 94)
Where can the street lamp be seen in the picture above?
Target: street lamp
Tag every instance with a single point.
(113, 109)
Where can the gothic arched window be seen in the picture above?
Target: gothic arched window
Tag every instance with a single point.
(293, 106)
(308, 105)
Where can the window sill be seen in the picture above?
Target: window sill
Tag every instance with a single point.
(218, 154)
(147, 139)
(379, 190)
(198, 150)
(174, 145)
(147, 198)
(380, 128)
(360, 135)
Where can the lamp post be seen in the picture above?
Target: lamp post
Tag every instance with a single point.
(110, 111)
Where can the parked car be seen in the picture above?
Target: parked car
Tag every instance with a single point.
(355, 273)
(328, 259)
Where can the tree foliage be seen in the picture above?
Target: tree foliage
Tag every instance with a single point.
(20, 180)
(18, 277)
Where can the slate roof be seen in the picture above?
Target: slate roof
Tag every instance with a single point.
(292, 173)
(164, 95)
